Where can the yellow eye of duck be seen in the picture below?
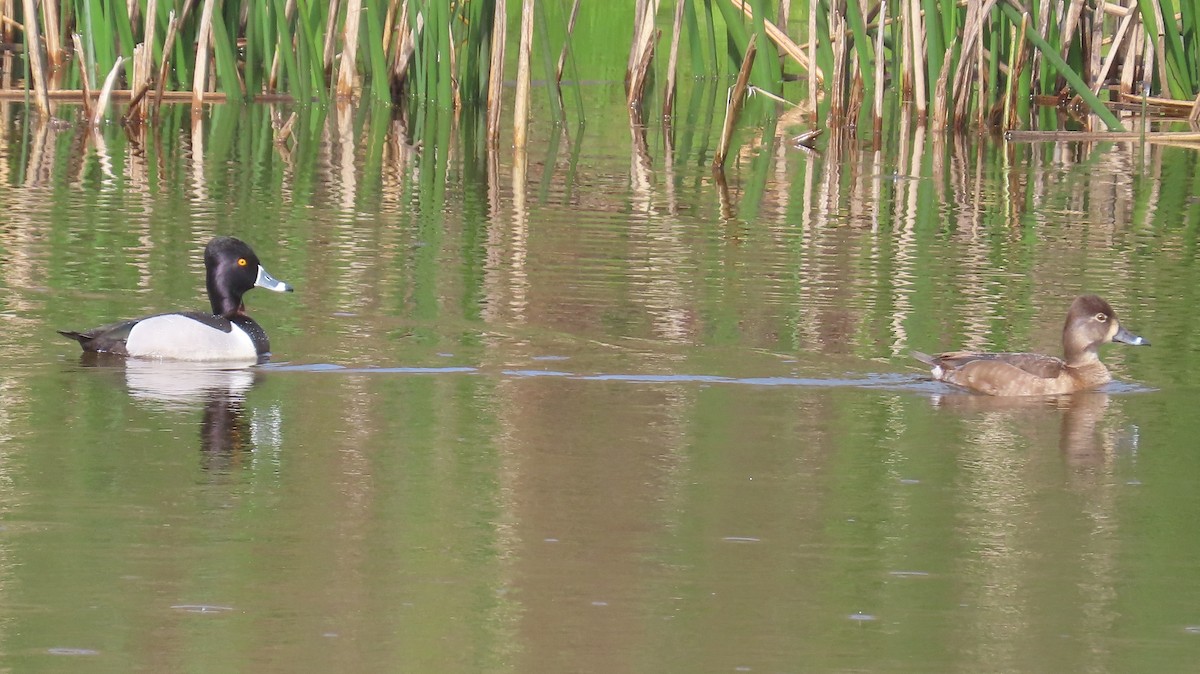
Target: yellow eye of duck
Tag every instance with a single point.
(1101, 317)
(242, 262)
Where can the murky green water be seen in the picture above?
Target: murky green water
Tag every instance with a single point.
(613, 417)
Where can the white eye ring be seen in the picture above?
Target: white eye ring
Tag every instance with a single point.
(1101, 317)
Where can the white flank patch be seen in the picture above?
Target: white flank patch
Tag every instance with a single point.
(177, 337)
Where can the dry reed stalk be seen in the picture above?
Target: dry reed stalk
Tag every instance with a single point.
(1130, 57)
(782, 41)
(496, 73)
(837, 90)
(878, 107)
(521, 101)
(1149, 49)
(1113, 50)
(972, 42)
(200, 77)
(562, 54)
(106, 92)
(390, 42)
(645, 37)
(347, 72)
(54, 50)
(1069, 23)
(917, 34)
(404, 50)
(906, 54)
(37, 67)
(1097, 38)
(812, 57)
(1043, 31)
(84, 81)
(1016, 66)
(941, 106)
(733, 104)
(142, 65)
(672, 60)
(857, 92)
(331, 32)
(168, 45)
(639, 13)
(8, 27)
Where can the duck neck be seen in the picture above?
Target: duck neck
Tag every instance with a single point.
(224, 304)
(1078, 357)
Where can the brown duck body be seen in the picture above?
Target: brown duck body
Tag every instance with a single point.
(1090, 323)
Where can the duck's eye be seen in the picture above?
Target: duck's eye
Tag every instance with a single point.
(1101, 317)
(242, 262)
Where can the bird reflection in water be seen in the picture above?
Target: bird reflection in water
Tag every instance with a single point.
(226, 436)
(1081, 438)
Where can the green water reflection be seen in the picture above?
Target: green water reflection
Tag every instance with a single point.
(615, 415)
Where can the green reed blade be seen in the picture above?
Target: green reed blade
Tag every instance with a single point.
(935, 46)
(767, 64)
(309, 53)
(227, 69)
(710, 31)
(97, 39)
(373, 38)
(691, 30)
(290, 79)
(1177, 63)
(862, 43)
(547, 59)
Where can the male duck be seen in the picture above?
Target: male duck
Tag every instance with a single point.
(226, 334)
(1090, 323)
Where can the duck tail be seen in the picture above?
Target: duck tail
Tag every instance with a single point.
(925, 358)
(935, 365)
(77, 336)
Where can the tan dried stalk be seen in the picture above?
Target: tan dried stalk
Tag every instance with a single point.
(672, 60)
(200, 77)
(84, 80)
(733, 104)
(37, 65)
(496, 72)
(521, 101)
(348, 70)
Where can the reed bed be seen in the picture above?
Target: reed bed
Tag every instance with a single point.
(953, 63)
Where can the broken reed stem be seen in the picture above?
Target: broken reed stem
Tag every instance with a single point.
(106, 92)
(812, 56)
(733, 104)
(168, 45)
(84, 82)
(916, 34)
(672, 61)
(496, 72)
(1113, 50)
(200, 77)
(521, 101)
(644, 39)
(348, 71)
(37, 66)
(879, 60)
(562, 54)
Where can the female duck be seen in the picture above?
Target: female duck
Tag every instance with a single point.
(231, 269)
(1090, 323)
